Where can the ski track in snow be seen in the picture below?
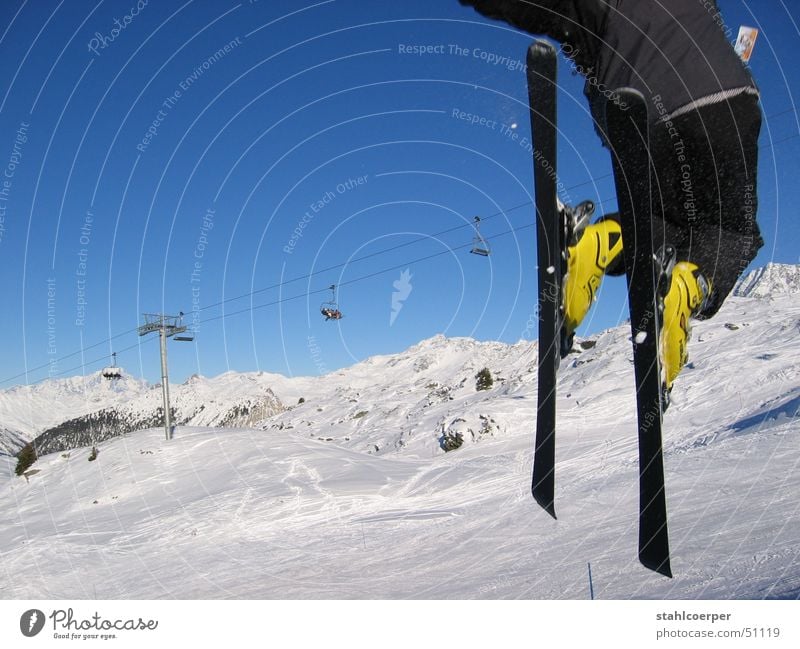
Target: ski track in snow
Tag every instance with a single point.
(349, 494)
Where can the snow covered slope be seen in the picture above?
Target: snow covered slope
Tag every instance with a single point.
(405, 403)
(350, 494)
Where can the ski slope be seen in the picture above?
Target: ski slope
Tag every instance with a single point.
(322, 501)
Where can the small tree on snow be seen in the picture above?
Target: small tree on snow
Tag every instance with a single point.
(451, 441)
(25, 458)
(484, 379)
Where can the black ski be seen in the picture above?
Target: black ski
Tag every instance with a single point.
(647, 268)
(541, 71)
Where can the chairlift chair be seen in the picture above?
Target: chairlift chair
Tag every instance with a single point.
(479, 245)
(181, 333)
(330, 309)
(112, 372)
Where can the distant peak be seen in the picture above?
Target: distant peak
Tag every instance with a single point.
(426, 343)
(770, 280)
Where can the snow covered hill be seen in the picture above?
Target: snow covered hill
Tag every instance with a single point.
(31, 409)
(230, 400)
(81, 411)
(772, 279)
(11, 441)
(350, 493)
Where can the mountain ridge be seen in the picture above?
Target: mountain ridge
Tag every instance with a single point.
(351, 493)
(769, 280)
(433, 376)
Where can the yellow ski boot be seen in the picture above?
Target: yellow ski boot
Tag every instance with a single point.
(599, 245)
(687, 293)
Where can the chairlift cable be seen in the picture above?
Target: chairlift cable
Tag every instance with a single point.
(592, 180)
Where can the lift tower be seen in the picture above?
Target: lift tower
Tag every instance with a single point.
(166, 326)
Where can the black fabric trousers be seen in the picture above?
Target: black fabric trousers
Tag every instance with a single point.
(705, 200)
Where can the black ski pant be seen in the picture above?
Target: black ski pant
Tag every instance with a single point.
(704, 189)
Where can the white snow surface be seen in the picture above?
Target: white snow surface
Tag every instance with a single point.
(349, 494)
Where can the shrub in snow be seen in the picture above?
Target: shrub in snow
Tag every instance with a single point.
(484, 379)
(25, 458)
(488, 425)
(451, 441)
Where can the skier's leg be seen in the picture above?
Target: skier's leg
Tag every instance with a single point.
(706, 163)
(706, 182)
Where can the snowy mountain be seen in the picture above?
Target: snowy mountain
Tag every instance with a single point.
(32, 409)
(345, 490)
(11, 441)
(770, 280)
(230, 400)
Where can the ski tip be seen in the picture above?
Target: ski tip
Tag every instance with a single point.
(631, 94)
(541, 48)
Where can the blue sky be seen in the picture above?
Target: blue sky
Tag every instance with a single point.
(232, 160)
